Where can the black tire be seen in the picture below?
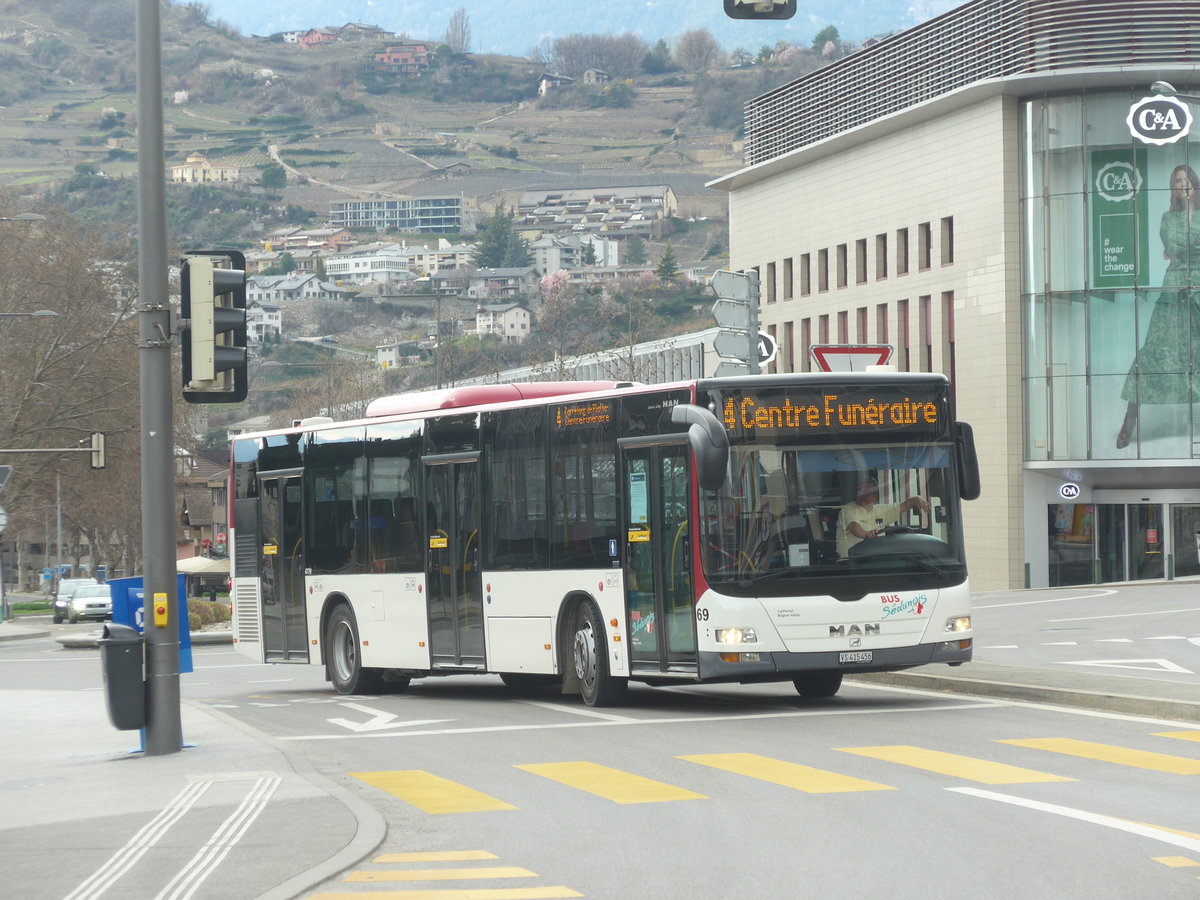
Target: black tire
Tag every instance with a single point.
(523, 682)
(818, 685)
(343, 661)
(589, 654)
(57, 618)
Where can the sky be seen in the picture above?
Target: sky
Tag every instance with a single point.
(514, 27)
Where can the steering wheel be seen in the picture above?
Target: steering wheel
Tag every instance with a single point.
(897, 529)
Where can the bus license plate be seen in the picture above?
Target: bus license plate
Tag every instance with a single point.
(856, 656)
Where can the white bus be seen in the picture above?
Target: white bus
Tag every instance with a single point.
(591, 534)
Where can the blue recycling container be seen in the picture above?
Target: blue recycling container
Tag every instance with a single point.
(128, 600)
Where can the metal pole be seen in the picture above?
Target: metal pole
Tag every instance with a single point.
(164, 731)
(752, 300)
(57, 527)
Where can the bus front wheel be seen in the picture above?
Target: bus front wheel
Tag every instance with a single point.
(590, 653)
(343, 660)
(817, 685)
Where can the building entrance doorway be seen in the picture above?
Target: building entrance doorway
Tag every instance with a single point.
(1093, 543)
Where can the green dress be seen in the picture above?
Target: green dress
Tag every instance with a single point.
(1165, 362)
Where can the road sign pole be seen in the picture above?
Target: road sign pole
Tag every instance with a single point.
(752, 337)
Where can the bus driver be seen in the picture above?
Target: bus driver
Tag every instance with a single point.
(866, 517)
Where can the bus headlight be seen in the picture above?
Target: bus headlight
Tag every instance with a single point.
(736, 636)
(956, 624)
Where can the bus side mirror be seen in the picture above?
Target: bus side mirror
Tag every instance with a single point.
(968, 462)
(709, 443)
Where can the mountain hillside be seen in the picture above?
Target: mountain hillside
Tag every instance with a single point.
(471, 125)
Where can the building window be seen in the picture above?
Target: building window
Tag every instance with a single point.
(770, 282)
(947, 240)
(787, 278)
(822, 270)
(773, 331)
(926, 334)
(789, 348)
(805, 345)
(805, 274)
(881, 260)
(823, 330)
(948, 340)
(902, 332)
(902, 251)
(881, 323)
(843, 327)
(860, 261)
(924, 246)
(860, 319)
(842, 264)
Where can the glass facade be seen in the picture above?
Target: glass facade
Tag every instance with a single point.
(1111, 283)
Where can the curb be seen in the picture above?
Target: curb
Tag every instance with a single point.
(1131, 704)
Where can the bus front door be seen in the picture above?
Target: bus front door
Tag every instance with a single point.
(281, 570)
(659, 596)
(455, 595)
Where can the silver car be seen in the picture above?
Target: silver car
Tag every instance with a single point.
(90, 601)
(62, 597)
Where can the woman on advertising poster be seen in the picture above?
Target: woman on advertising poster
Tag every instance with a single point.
(1174, 328)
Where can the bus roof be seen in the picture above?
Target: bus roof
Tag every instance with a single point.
(482, 395)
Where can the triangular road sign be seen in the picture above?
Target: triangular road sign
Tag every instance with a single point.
(850, 357)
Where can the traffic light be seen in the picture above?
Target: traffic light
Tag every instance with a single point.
(97, 449)
(213, 327)
(760, 9)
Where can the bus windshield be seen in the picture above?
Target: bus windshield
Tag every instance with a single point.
(788, 513)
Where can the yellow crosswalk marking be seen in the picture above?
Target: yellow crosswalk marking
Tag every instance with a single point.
(1181, 735)
(440, 874)
(435, 856)
(430, 793)
(966, 767)
(1123, 756)
(1175, 862)
(556, 892)
(611, 784)
(792, 775)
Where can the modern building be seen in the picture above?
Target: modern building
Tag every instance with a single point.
(988, 193)
(427, 215)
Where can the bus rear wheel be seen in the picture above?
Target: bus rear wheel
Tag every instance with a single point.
(343, 661)
(590, 655)
(817, 685)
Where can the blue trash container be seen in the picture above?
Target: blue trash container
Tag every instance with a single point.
(128, 596)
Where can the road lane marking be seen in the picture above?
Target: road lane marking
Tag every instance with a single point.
(431, 794)
(611, 784)
(1158, 612)
(1155, 665)
(1176, 862)
(787, 774)
(1180, 735)
(482, 872)
(435, 856)
(1182, 839)
(1122, 756)
(981, 770)
(1094, 594)
(558, 892)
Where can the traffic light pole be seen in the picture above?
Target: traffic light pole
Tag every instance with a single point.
(164, 731)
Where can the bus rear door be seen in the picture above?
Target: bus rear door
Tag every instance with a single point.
(455, 595)
(281, 569)
(659, 595)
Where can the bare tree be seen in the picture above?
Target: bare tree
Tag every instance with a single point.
(619, 55)
(697, 50)
(458, 32)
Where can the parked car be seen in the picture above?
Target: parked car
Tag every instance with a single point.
(90, 601)
(66, 588)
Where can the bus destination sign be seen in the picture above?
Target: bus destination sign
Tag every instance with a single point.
(833, 411)
(584, 415)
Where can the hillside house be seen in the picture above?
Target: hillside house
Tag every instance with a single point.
(486, 284)
(548, 82)
(315, 38)
(511, 321)
(404, 59)
(617, 211)
(263, 319)
(197, 169)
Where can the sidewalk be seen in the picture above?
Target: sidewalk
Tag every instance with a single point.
(65, 790)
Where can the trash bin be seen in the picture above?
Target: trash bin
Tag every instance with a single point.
(122, 658)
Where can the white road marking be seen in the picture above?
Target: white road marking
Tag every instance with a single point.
(1103, 593)
(379, 720)
(1156, 665)
(1147, 831)
(1161, 612)
(1061, 644)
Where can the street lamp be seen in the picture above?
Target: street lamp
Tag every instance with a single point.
(40, 314)
(1166, 89)
(23, 217)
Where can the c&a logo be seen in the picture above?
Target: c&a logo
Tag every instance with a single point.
(1159, 120)
(1118, 181)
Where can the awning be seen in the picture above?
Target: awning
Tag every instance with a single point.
(202, 565)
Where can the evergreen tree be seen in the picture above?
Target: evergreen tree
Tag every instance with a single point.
(667, 269)
(499, 244)
(635, 251)
(589, 254)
